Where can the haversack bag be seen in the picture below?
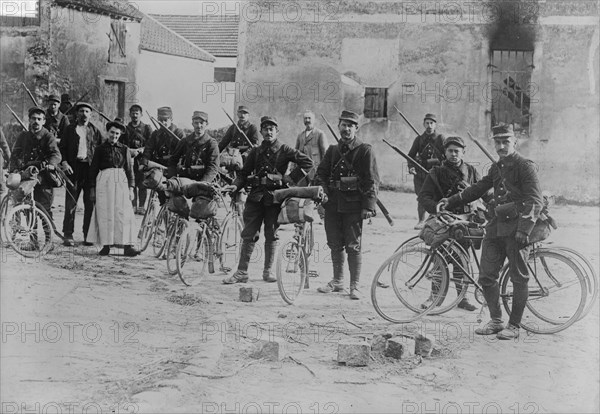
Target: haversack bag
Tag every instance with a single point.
(179, 205)
(296, 210)
(434, 231)
(152, 178)
(204, 207)
(231, 159)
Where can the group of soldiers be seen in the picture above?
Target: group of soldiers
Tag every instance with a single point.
(347, 172)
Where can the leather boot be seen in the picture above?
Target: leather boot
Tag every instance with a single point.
(492, 298)
(241, 274)
(270, 249)
(354, 264)
(464, 303)
(337, 283)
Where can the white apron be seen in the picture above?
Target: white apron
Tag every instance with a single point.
(113, 219)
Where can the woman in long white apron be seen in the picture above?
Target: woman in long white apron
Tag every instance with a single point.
(112, 181)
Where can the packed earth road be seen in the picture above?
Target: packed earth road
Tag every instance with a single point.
(84, 333)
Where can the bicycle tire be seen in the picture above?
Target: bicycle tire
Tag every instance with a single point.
(291, 270)
(413, 264)
(159, 231)
(147, 225)
(29, 228)
(548, 277)
(590, 276)
(309, 239)
(448, 301)
(191, 256)
(229, 243)
(4, 208)
(170, 252)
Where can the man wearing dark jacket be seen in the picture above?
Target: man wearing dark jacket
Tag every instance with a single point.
(56, 121)
(77, 148)
(428, 150)
(518, 202)
(136, 135)
(263, 171)
(37, 147)
(235, 139)
(351, 183)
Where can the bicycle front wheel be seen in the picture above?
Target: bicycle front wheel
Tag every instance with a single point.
(292, 270)
(557, 292)
(418, 276)
(159, 232)
(170, 252)
(230, 241)
(28, 230)
(191, 255)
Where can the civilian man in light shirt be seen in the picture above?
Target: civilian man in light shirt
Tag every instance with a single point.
(77, 148)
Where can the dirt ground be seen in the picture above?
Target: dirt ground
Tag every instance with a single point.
(81, 333)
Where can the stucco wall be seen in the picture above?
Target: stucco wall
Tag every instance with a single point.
(440, 68)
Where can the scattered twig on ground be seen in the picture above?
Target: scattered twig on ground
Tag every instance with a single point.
(351, 323)
(303, 364)
(209, 376)
(350, 382)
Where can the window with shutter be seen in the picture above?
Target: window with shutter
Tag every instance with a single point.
(375, 103)
(116, 51)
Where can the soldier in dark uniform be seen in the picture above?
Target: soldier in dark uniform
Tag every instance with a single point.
(37, 147)
(428, 150)
(518, 202)
(65, 107)
(453, 176)
(263, 171)
(161, 144)
(56, 121)
(352, 192)
(136, 135)
(198, 152)
(233, 138)
(77, 148)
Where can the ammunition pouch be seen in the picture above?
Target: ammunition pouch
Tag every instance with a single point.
(270, 181)
(195, 171)
(345, 184)
(506, 212)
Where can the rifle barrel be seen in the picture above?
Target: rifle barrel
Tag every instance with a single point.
(238, 128)
(407, 121)
(17, 117)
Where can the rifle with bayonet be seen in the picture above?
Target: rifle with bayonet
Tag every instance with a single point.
(30, 95)
(384, 210)
(238, 128)
(77, 102)
(163, 126)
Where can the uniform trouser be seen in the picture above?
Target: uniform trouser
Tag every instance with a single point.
(44, 196)
(457, 272)
(344, 231)
(255, 214)
(494, 252)
(418, 181)
(79, 179)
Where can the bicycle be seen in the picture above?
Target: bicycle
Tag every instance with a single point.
(205, 240)
(292, 265)
(418, 272)
(148, 221)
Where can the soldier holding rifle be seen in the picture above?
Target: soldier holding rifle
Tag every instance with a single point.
(56, 121)
(237, 136)
(349, 175)
(136, 135)
(518, 202)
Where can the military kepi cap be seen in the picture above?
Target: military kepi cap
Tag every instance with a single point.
(200, 115)
(117, 123)
(84, 105)
(431, 117)
(455, 141)
(53, 98)
(268, 120)
(349, 116)
(135, 107)
(502, 131)
(243, 108)
(164, 111)
(35, 110)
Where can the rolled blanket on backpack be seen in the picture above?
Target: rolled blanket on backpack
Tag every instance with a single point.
(198, 188)
(175, 185)
(313, 192)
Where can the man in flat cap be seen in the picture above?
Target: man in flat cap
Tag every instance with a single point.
(428, 150)
(263, 171)
(77, 148)
(136, 135)
(198, 153)
(37, 147)
(351, 183)
(161, 145)
(518, 202)
(56, 121)
(445, 180)
(234, 138)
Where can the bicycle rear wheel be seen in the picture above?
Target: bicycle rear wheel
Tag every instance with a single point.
(170, 252)
(229, 243)
(292, 270)
(557, 292)
(145, 233)
(415, 272)
(191, 255)
(28, 231)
